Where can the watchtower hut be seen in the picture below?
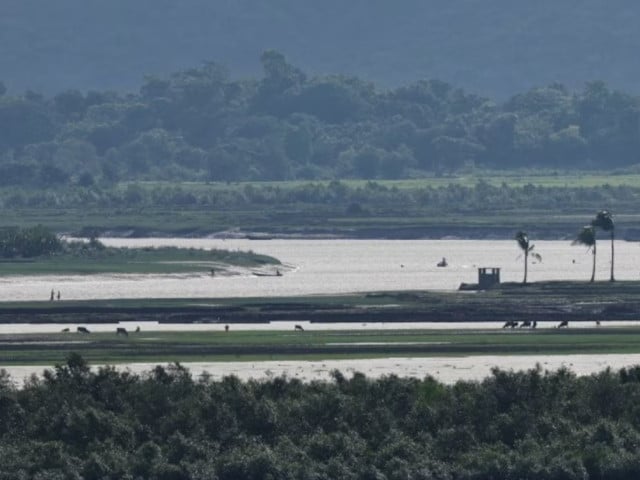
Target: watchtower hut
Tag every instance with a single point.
(488, 277)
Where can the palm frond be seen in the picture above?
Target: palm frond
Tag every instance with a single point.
(523, 240)
(603, 220)
(586, 236)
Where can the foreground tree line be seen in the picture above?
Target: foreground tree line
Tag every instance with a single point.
(201, 124)
(104, 424)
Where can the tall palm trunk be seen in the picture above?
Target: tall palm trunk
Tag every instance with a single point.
(526, 263)
(593, 270)
(612, 279)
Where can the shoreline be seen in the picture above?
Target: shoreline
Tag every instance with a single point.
(444, 369)
(548, 301)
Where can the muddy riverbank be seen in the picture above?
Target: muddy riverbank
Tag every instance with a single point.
(535, 302)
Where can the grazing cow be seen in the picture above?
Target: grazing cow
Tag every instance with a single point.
(510, 324)
(563, 323)
(82, 330)
(64, 330)
(122, 331)
(526, 323)
(298, 328)
(138, 329)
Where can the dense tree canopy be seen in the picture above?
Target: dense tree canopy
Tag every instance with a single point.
(201, 124)
(79, 423)
(28, 242)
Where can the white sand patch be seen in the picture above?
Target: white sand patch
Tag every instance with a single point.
(445, 369)
(388, 343)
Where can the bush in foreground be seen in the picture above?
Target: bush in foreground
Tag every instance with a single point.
(79, 423)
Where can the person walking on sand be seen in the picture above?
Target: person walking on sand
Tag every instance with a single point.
(58, 294)
(52, 295)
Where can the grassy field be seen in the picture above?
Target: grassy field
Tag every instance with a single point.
(213, 346)
(350, 208)
(164, 260)
(548, 303)
(512, 179)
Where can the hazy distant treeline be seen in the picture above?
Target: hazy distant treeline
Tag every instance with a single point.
(200, 124)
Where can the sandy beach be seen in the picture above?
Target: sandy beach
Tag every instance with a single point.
(445, 369)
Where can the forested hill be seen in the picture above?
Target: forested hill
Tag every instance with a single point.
(493, 47)
(201, 124)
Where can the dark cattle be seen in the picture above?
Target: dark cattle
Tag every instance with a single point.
(535, 324)
(510, 324)
(82, 330)
(138, 329)
(122, 331)
(226, 328)
(298, 328)
(65, 330)
(563, 323)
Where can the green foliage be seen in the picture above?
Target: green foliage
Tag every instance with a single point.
(47, 253)
(164, 424)
(603, 220)
(201, 124)
(28, 242)
(527, 249)
(586, 236)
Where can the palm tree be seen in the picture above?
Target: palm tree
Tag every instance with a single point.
(587, 236)
(527, 248)
(604, 221)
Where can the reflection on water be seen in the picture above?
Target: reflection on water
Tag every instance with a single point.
(334, 267)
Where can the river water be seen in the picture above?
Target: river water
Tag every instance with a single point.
(334, 267)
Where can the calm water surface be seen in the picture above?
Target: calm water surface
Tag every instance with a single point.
(333, 267)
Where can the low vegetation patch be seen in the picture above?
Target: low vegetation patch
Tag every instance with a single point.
(247, 345)
(36, 250)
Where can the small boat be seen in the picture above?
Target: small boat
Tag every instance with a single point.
(442, 263)
(264, 274)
